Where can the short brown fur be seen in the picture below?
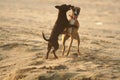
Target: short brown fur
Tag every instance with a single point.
(73, 35)
(60, 24)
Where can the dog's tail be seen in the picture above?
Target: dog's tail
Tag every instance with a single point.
(45, 37)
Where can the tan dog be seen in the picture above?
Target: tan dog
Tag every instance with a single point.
(72, 32)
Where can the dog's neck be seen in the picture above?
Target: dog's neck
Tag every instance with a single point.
(62, 15)
(72, 19)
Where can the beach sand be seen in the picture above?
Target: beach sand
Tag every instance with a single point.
(22, 48)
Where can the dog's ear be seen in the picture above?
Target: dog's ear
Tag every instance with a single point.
(79, 8)
(71, 6)
(57, 7)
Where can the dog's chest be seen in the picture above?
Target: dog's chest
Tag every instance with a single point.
(70, 30)
(72, 21)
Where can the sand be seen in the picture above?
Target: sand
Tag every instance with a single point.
(22, 48)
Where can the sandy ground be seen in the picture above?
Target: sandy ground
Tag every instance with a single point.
(22, 48)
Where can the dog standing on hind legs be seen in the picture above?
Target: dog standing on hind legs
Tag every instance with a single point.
(72, 32)
(60, 24)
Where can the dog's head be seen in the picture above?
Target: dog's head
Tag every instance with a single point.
(76, 11)
(64, 7)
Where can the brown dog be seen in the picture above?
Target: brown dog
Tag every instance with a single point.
(60, 24)
(72, 31)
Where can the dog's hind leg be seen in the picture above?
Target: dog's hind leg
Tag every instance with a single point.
(78, 39)
(55, 49)
(70, 45)
(49, 48)
(64, 38)
(54, 53)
